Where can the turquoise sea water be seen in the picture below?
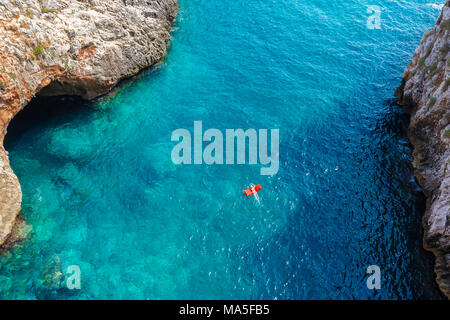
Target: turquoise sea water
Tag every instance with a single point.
(100, 190)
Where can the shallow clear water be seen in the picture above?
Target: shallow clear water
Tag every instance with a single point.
(100, 190)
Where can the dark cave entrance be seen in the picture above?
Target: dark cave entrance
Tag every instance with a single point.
(44, 110)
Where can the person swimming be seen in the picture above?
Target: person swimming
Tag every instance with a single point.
(253, 190)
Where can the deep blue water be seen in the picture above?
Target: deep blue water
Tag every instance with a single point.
(100, 190)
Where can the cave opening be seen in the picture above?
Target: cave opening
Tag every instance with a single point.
(44, 110)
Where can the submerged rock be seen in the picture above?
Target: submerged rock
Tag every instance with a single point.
(70, 143)
(70, 47)
(19, 232)
(425, 95)
(50, 280)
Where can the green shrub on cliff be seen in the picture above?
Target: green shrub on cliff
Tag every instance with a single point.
(433, 70)
(432, 101)
(47, 10)
(445, 25)
(38, 50)
(3, 84)
(428, 34)
(447, 134)
(29, 14)
(421, 62)
(446, 85)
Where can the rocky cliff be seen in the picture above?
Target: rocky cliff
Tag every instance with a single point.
(425, 94)
(75, 47)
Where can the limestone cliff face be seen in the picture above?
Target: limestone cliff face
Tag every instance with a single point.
(77, 47)
(425, 94)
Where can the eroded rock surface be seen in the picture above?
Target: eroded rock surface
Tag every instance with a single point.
(425, 94)
(54, 47)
